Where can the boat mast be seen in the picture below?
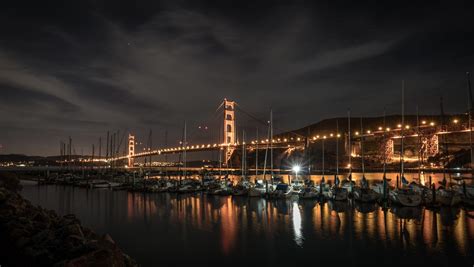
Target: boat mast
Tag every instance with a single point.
(349, 142)
(100, 151)
(307, 152)
(243, 154)
(362, 147)
(266, 156)
(271, 143)
(470, 121)
(166, 155)
(184, 151)
(402, 132)
(418, 134)
(256, 158)
(337, 147)
(150, 144)
(220, 150)
(385, 148)
(265, 164)
(322, 144)
(445, 144)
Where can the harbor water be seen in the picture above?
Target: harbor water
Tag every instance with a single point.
(163, 229)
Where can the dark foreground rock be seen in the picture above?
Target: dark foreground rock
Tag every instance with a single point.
(33, 236)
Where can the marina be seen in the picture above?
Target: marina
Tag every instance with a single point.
(203, 229)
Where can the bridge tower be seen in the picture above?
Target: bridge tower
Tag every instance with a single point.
(131, 150)
(229, 128)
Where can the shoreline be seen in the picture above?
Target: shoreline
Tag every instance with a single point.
(34, 236)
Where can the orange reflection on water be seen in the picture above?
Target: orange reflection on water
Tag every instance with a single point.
(228, 226)
(234, 217)
(140, 206)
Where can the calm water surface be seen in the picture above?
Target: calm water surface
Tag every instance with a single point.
(178, 230)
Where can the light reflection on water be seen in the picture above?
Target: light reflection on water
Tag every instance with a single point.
(180, 229)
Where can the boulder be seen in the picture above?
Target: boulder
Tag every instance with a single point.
(42, 237)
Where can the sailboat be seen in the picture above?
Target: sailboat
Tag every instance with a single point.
(261, 187)
(258, 188)
(445, 195)
(341, 193)
(467, 191)
(404, 196)
(427, 196)
(348, 183)
(308, 191)
(382, 187)
(186, 186)
(364, 193)
(242, 187)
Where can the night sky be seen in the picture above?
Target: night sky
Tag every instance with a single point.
(80, 68)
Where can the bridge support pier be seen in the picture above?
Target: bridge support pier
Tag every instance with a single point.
(429, 146)
(387, 147)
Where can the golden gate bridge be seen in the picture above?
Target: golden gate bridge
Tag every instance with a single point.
(428, 133)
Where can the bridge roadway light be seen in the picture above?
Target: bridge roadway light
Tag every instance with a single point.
(380, 128)
(423, 122)
(356, 133)
(407, 126)
(368, 131)
(399, 126)
(388, 129)
(455, 121)
(338, 135)
(432, 123)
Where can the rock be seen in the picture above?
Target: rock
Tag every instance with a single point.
(72, 229)
(18, 232)
(22, 242)
(71, 219)
(108, 238)
(102, 257)
(10, 182)
(41, 237)
(74, 241)
(3, 196)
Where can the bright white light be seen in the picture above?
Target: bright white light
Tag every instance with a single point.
(296, 168)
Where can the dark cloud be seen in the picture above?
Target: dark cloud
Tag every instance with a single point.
(84, 67)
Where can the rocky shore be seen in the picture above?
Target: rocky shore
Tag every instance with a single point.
(33, 236)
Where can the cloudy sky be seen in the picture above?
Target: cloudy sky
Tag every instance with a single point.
(80, 68)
